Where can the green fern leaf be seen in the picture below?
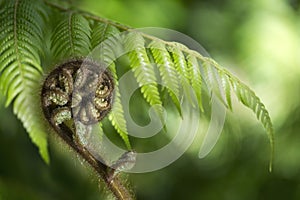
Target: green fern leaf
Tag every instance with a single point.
(227, 88)
(143, 70)
(195, 77)
(167, 71)
(101, 32)
(116, 116)
(212, 80)
(247, 97)
(108, 50)
(20, 72)
(221, 82)
(71, 37)
(180, 64)
(250, 100)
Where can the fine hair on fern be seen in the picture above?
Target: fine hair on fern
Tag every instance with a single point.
(73, 47)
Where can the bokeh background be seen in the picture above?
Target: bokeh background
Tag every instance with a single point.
(257, 40)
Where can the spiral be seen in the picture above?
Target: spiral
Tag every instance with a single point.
(80, 90)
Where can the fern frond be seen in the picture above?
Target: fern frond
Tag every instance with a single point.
(116, 116)
(212, 80)
(219, 81)
(250, 100)
(21, 45)
(180, 64)
(71, 37)
(227, 88)
(195, 77)
(167, 71)
(102, 31)
(108, 50)
(143, 70)
(245, 95)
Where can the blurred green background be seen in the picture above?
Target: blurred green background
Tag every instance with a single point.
(257, 40)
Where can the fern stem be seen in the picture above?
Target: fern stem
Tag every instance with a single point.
(71, 32)
(115, 185)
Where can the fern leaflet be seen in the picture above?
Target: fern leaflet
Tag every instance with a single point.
(101, 32)
(20, 49)
(195, 77)
(71, 37)
(167, 71)
(143, 70)
(244, 95)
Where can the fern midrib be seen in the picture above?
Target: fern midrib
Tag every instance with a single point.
(16, 42)
(23, 79)
(71, 32)
(105, 29)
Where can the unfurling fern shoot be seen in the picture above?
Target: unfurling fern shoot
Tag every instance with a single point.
(76, 95)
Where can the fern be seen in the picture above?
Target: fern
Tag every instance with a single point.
(71, 37)
(143, 70)
(117, 114)
(245, 95)
(167, 70)
(21, 46)
(195, 77)
(218, 79)
(76, 34)
(101, 32)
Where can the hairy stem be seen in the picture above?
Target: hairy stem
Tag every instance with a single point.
(115, 185)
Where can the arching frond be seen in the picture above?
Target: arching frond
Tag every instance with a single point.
(196, 68)
(71, 36)
(21, 44)
(230, 83)
(143, 70)
(116, 116)
(101, 32)
(167, 71)
(181, 66)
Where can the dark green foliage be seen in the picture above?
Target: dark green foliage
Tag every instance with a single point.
(71, 37)
(21, 47)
